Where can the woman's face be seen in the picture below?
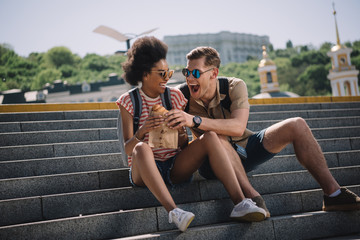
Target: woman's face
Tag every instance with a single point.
(153, 83)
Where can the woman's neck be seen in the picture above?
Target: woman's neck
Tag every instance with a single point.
(149, 93)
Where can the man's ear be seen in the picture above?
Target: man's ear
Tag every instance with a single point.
(215, 72)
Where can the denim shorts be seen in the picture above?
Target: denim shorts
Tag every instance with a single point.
(164, 168)
(256, 155)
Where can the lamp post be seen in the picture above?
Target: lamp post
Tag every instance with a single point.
(119, 36)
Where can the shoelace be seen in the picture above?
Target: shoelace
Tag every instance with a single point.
(247, 202)
(350, 193)
(176, 213)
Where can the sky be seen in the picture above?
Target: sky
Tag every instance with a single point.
(39, 25)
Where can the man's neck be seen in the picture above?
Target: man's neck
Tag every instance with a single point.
(208, 97)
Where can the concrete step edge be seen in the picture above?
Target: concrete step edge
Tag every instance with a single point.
(87, 181)
(98, 134)
(117, 224)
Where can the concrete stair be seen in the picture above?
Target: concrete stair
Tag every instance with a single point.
(61, 177)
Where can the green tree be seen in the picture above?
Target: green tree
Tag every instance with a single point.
(325, 47)
(313, 81)
(289, 44)
(58, 56)
(45, 76)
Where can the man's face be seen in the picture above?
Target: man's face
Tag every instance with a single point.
(202, 88)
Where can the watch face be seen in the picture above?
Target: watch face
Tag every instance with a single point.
(197, 120)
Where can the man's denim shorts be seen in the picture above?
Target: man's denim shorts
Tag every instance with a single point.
(256, 155)
(164, 168)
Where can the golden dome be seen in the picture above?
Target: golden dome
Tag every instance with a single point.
(265, 61)
(337, 47)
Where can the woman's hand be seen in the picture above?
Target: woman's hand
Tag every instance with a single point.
(177, 119)
(151, 123)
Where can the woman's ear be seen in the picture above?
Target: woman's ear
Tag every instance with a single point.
(145, 77)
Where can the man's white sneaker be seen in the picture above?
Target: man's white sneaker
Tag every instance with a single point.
(247, 210)
(181, 218)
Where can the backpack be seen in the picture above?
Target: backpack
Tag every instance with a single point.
(224, 89)
(137, 104)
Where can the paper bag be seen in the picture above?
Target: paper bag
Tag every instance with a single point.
(162, 137)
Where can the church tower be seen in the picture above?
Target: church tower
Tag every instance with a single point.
(342, 76)
(268, 75)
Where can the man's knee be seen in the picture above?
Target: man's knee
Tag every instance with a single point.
(298, 125)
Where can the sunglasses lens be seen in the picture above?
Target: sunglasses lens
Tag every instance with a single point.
(196, 73)
(170, 73)
(185, 72)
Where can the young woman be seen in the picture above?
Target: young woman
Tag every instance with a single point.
(156, 167)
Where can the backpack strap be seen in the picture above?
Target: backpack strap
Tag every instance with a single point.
(186, 91)
(137, 104)
(224, 89)
(166, 99)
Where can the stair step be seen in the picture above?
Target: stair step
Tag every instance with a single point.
(312, 225)
(302, 106)
(73, 164)
(303, 114)
(59, 165)
(61, 136)
(112, 146)
(103, 179)
(100, 201)
(7, 127)
(154, 220)
(33, 126)
(58, 115)
(312, 122)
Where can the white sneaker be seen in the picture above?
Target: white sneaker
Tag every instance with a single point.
(181, 218)
(247, 210)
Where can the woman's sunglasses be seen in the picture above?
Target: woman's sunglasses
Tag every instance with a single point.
(164, 74)
(196, 72)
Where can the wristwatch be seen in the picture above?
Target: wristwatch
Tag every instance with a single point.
(197, 121)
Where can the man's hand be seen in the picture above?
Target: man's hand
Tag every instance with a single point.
(177, 119)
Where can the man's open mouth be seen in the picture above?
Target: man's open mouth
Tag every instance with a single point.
(194, 87)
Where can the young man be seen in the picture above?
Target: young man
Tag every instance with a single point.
(207, 114)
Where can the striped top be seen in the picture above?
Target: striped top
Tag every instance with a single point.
(178, 101)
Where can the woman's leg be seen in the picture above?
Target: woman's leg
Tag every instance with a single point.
(191, 158)
(145, 173)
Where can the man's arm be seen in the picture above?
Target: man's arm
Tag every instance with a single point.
(234, 126)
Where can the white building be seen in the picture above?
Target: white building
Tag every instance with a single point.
(233, 47)
(342, 75)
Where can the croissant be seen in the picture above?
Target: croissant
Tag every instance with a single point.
(158, 110)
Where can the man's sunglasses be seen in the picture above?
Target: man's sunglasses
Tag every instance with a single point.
(196, 72)
(164, 74)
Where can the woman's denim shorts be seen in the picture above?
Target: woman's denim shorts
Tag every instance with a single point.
(164, 168)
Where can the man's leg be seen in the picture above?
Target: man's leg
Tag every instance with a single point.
(309, 154)
(307, 150)
(243, 180)
(248, 190)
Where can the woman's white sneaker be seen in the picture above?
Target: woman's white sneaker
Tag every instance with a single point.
(181, 218)
(247, 210)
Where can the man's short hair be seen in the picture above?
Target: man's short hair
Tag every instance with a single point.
(212, 57)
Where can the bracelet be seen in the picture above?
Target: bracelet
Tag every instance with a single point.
(137, 138)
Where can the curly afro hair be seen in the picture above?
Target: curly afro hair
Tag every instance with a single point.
(142, 56)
